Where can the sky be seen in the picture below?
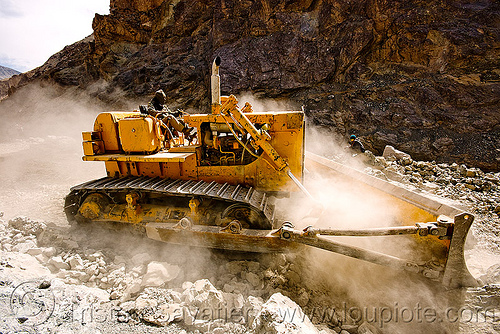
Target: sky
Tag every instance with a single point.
(33, 30)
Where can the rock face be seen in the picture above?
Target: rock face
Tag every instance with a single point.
(422, 76)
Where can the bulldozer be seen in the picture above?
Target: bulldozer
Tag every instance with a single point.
(212, 180)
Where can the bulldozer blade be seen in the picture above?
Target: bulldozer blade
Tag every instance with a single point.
(456, 273)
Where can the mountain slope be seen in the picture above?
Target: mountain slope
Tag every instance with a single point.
(422, 76)
(6, 72)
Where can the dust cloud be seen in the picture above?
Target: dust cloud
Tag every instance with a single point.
(350, 284)
(41, 150)
(264, 104)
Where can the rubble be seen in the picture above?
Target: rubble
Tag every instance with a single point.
(27, 226)
(477, 190)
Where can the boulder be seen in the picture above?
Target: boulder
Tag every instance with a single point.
(58, 263)
(281, 315)
(235, 267)
(141, 258)
(159, 273)
(75, 262)
(205, 295)
(253, 279)
(391, 154)
(24, 246)
(49, 251)
(34, 251)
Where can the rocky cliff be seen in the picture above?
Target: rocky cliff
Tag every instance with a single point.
(422, 76)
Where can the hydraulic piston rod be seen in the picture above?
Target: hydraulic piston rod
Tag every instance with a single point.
(288, 233)
(421, 229)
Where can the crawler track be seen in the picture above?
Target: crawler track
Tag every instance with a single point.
(220, 199)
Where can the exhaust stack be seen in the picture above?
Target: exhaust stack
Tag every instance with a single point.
(215, 80)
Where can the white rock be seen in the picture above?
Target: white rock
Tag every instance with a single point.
(49, 251)
(27, 226)
(235, 267)
(76, 262)
(158, 273)
(176, 296)
(253, 279)
(252, 307)
(253, 266)
(79, 275)
(142, 303)
(203, 294)
(58, 263)
(141, 258)
(281, 315)
(132, 288)
(21, 267)
(94, 256)
(229, 287)
(23, 247)
(34, 251)
(233, 300)
(4, 240)
(186, 285)
(390, 153)
(41, 258)
(138, 269)
(92, 269)
(101, 262)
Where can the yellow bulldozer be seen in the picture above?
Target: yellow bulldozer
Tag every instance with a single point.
(211, 180)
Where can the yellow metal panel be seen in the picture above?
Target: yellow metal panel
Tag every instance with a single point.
(112, 168)
(172, 170)
(88, 148)
(138, 135)
(93, 147)
(90, 135)
(151, 169)
(182, 149)
(295, 120)
(105, 124)
(158, 157)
